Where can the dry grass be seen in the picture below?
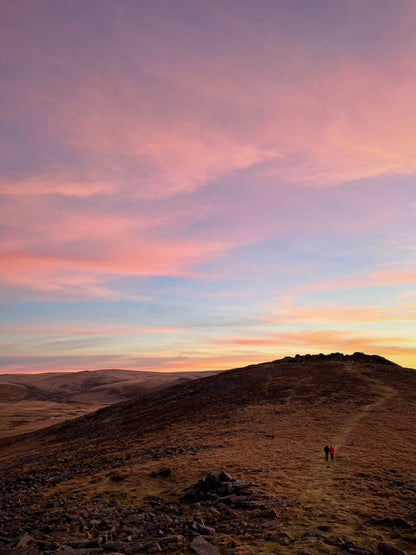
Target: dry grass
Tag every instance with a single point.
(29, 402)
(27, 416)
(279, 445)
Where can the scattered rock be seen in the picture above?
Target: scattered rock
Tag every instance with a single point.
(202, 547)
(396, 522)
(175, 451)
(324, 527)
(340, 541)
(202, 529)
(117, 478)
(25, 541)
(68, 550)
(281, 538)
(86, 544)
(116, 546)
(152, 547)
(387, 549)
(28, 551)
(161, 473)
(268, 514)
(171, 540)
(215, 485)
(217, 504)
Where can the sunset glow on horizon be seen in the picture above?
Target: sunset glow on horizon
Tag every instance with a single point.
(200, 185)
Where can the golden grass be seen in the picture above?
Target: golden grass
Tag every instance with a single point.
(27, 416)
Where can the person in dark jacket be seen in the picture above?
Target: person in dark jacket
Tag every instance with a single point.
(332, 452)
(326, 449)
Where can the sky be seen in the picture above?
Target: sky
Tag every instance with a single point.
(206, 184)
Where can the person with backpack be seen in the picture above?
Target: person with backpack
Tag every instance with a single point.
(326, 449)
(332, 452)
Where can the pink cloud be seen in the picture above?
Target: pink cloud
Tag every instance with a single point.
(327, 312)
(388, 276)
(61, 271)
(52, 246)
(59, 184)
(338, 124)
(395, 275)
(164, 154)
(93, 330)
(37, 274)
(162, 115)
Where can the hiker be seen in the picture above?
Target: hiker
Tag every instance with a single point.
(326, 449)
(332, 452)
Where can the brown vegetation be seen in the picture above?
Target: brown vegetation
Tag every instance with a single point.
(29, 402)
(265, 426)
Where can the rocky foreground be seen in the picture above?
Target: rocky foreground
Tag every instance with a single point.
(230, 464)
(189, 522)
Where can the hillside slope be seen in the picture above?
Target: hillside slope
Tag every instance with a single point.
(32, 401)
(109, 385)
(266, 426)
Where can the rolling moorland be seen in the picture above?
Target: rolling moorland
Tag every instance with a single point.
(232, 464)
(32, 401)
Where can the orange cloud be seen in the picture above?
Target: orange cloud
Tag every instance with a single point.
(317, 338)
(310, 341)
(288, 312)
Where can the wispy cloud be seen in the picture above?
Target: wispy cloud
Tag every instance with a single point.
(198, 185)
(46, 185)
(287, 312)
(389, 276)
(94, 329)
(326, 341)
(320, 122)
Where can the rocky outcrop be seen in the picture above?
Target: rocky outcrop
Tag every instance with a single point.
(196, 517)
(216, 506)
(217, 486)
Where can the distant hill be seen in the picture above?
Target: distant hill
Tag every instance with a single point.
(107, 385)
(11, 393)
(231, 463)
(32, 401)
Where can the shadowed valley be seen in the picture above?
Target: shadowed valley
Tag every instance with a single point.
(231, 463)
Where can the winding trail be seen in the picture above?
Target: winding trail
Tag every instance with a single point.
(321, 489)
